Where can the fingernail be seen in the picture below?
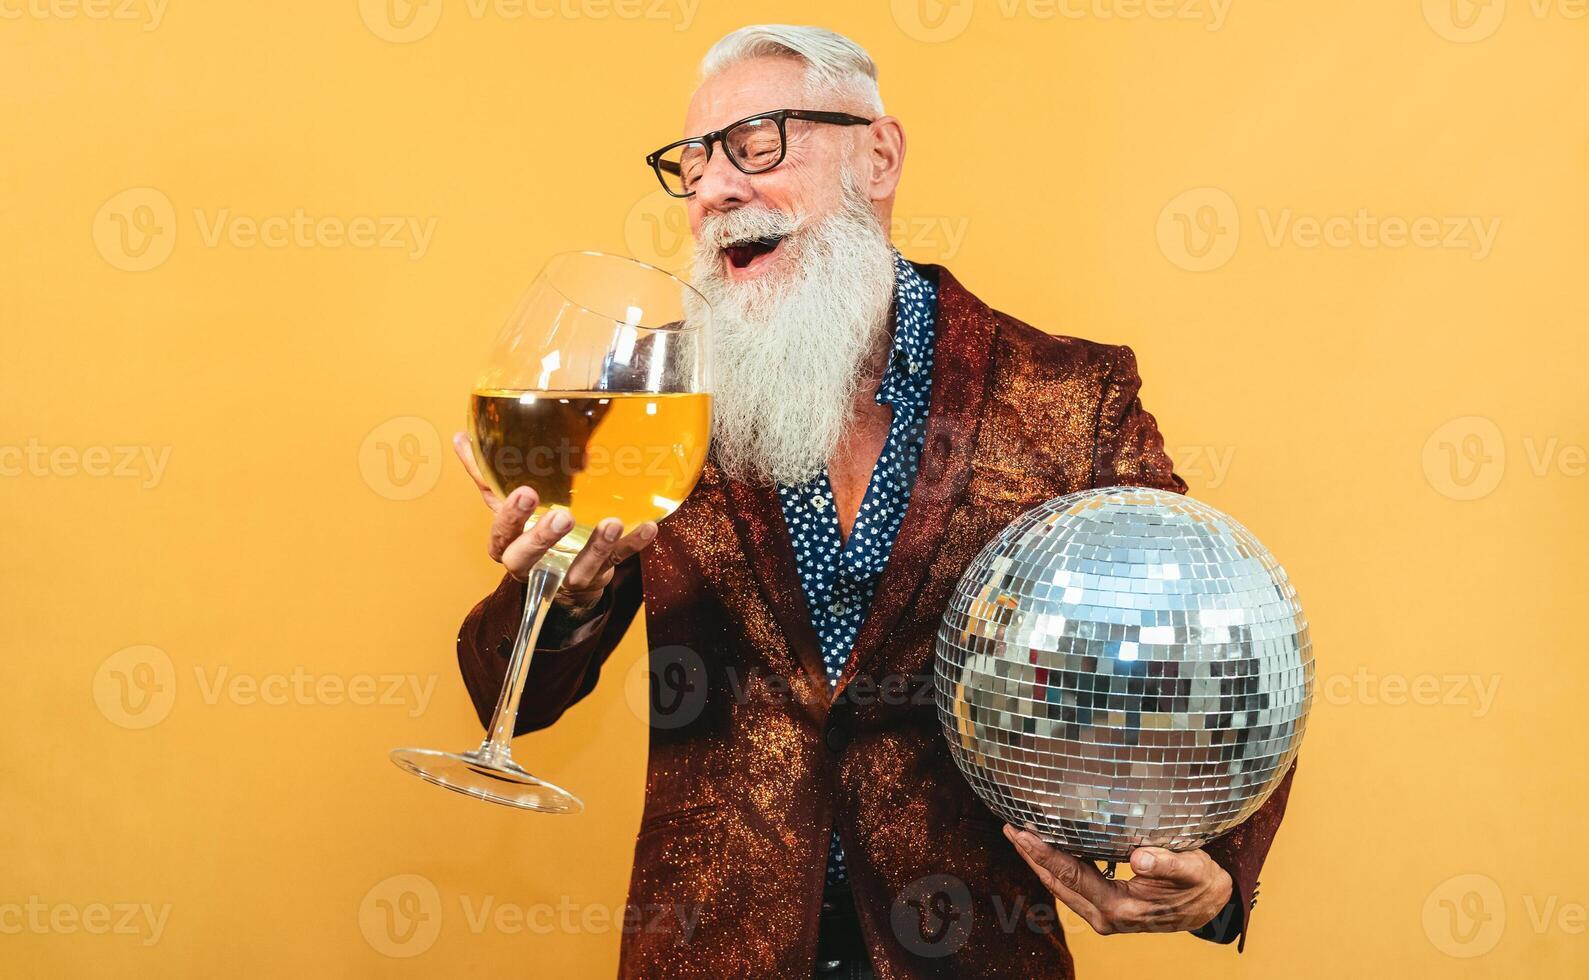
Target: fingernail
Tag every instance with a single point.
(521, 499)
(1145, 861)
(648, 532)
(560, 522)
(612, 532)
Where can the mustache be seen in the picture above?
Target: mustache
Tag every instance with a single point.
(741, 224)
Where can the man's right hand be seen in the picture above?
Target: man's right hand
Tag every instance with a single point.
(518, 548)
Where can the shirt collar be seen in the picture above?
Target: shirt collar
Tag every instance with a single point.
(915, 309)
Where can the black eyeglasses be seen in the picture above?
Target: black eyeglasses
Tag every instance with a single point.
(754, 145)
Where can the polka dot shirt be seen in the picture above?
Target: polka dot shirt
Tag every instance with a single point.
(839, 576)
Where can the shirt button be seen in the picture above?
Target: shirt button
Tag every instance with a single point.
(817, 503)
(915, 366)
(838, 608)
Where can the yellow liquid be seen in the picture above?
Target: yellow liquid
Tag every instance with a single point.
(599, 454)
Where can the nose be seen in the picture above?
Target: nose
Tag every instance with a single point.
(722, 187)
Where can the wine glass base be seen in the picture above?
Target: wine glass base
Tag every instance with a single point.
(471, 775)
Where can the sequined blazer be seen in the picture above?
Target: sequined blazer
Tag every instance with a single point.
(752, 761)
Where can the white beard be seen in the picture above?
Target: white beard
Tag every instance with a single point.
(788, 347)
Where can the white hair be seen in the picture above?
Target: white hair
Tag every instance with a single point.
(833, 61)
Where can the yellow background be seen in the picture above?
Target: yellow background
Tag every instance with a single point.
(1403, 426)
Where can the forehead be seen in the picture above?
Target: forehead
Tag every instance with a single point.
(744, 89)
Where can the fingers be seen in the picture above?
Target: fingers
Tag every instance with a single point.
(520, 556)
(1170, 892)
(1169, 867)
(1175, 891)
(508, 525)
(1071, 872)
(1073, 881)
(590, 567)
(607, 549)
(460, 445)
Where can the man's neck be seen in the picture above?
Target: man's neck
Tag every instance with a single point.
(853, 459)
(875, 366)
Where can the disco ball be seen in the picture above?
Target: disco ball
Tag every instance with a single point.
(1124, 667)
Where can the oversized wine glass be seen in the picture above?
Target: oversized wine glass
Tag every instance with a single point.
(597, 395)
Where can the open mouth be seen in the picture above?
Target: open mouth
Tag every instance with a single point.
(750, 251)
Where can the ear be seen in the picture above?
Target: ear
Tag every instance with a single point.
(885, 158)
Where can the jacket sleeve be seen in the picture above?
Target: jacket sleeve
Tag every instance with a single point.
(1241, 853)
(1129, 451)
(567, 658)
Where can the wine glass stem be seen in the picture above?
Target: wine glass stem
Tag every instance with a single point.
(542, 585)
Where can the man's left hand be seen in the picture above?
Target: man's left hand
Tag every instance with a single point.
(1172, 891)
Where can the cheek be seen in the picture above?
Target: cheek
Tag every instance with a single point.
(791, 190)
(813, 195)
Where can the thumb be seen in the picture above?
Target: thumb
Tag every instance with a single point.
(1162, 864)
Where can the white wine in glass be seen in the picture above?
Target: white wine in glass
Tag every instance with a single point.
(597, 396)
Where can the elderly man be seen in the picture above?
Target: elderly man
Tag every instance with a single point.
(874, 425)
